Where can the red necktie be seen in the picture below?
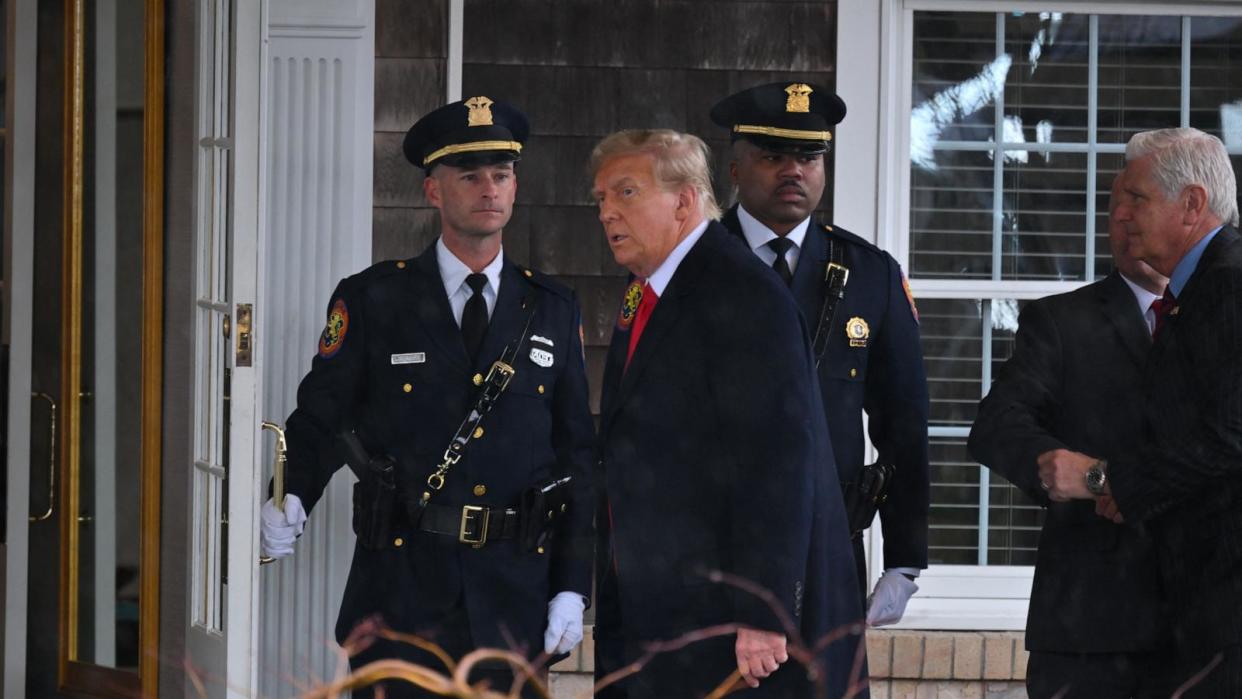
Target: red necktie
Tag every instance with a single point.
(645, 306)
(1161, 308)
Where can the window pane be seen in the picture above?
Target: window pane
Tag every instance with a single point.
(1216, 77)
(1107, 167)
(1046, 89)
(1140, 75)
(1044, 222)
(951, 332)
(956, 76)
(951, 216)
(953, 535)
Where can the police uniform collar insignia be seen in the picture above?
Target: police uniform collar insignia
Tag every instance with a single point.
(333, 336)
(629, 305)
(480, 111)
(799, 98)
(857, 330)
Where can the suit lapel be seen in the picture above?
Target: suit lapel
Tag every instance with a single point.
(666, 314)
(433, 310)
(1119, 307)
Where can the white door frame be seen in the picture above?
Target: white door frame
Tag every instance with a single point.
(21, 22)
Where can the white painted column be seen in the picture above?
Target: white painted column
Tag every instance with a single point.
(320, 145)
(21, 17)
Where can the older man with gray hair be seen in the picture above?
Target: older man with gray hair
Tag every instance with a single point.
(1180, 211)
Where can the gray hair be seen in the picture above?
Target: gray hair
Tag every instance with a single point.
(1185, 156)
(680, 159)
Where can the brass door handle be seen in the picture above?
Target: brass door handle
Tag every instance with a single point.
(278, 474)
(51, 459)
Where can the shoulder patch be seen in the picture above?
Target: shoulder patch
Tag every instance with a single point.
(333, 336)
(905, 285)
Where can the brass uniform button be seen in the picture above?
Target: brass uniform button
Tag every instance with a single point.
(540, 549)
(407, 388)
(478, 432)
(853, 373)
(477, 379)
(480, 490)
(564, 507)
(528, 273)
(398, 542)
(401, 264)
(540, 389)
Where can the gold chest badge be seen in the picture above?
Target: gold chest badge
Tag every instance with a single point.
(857, 330)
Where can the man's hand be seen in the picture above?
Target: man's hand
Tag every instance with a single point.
(888, 601)
(1106, 507)
(759, 653)
(1063, 473)
(278, 530)
(564, 623)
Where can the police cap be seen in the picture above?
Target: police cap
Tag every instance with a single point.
(474, 131)
(782, 117)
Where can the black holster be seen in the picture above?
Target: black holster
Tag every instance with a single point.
(542, 508)
(865, 494)
(375, 504)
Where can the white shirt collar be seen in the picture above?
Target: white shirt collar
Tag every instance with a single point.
(660, 278)
(1144, 299)
(757, 237)
(453, 273)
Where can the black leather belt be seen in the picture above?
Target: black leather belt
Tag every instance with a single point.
(471, 524)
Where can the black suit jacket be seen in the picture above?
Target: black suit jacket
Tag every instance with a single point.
(1074, 381)
(882, 375)
(712, 442)
(400, 374)
(1186, 482)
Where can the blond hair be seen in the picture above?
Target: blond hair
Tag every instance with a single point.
(680, 159)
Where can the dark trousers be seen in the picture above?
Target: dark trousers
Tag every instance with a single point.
(1213, 676)
(860, 565)
(1095, 676)
(452, 634)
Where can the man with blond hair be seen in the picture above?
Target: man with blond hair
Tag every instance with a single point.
(1184, 481)
(713, 449)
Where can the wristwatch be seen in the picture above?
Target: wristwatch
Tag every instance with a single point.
(1097, 477)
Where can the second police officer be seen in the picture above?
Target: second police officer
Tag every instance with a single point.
(867, 341)
(463, 463)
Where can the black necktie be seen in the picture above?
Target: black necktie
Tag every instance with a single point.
(474, 316)
(781, 265)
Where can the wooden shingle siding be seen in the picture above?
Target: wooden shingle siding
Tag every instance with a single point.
(580, 69)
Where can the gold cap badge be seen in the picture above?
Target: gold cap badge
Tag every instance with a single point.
(480, 111)
(857, 330)
(799, 99)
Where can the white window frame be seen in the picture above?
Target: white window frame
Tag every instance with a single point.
(872, 146)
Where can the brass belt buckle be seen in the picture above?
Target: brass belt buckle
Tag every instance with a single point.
(469, 515)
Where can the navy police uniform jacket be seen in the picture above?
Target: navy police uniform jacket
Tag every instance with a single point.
(392, 364)
(713, 450)
(881, 373)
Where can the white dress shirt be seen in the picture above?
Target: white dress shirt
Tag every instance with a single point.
(1144, 299)
(758, 236)
(453, 273)
(660, 278)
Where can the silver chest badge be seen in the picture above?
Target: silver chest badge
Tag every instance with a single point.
(541, 357)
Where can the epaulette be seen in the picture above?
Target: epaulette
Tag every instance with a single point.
(545, 282)
(849, 237)
(379, 270)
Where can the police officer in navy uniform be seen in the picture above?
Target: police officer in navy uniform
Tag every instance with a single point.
(873, 361)
(406, 350)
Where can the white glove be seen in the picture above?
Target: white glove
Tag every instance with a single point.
(888, 602)
(278, 530)
(564, 623)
